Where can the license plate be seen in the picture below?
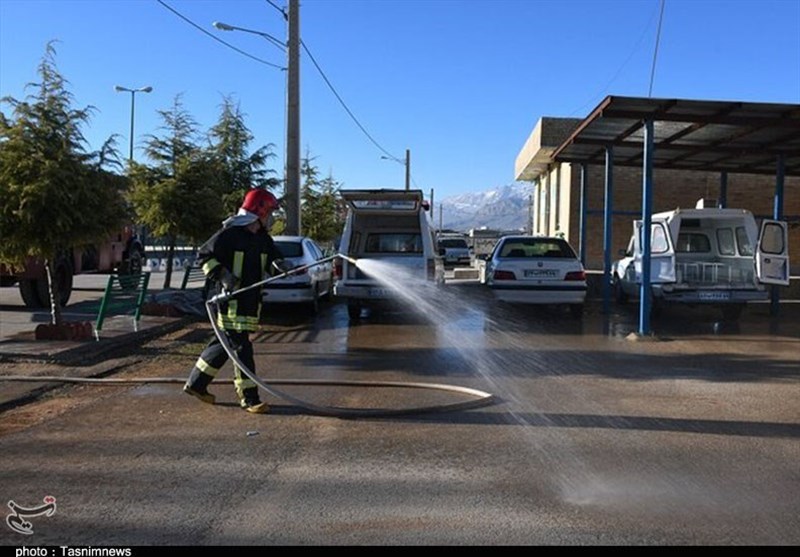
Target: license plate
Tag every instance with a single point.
(378, 292)
(541, 273)
(714, 296)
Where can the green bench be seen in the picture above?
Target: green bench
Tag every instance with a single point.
(124, 295)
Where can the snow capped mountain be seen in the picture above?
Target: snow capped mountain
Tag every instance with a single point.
(502, 208)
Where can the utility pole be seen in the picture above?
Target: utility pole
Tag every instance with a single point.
(408, 169)
(292, 177)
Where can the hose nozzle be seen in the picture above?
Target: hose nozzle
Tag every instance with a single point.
(350, 259)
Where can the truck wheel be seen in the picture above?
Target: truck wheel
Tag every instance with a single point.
(619, 294)
(29, 290)
(63, 273)
(64, 279)
(732, 312)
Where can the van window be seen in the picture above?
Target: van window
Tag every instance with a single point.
(725, 241)
(772, 240)
(693, 242)
(658, 243)
(394, 243)
(745, 247)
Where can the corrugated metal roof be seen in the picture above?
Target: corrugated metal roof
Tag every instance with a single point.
(724, 136)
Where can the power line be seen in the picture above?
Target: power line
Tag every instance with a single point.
(193, 24)
(349, 112)
(274, 5)
(621, 67)
(313, 60)
(655, 53)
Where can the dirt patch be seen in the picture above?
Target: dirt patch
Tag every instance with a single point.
(168, 356)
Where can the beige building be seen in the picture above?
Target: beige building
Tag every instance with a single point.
(556, 201)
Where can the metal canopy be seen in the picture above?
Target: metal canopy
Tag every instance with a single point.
(723, 136)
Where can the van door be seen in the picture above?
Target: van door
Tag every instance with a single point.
(662, 253)
(772, 254)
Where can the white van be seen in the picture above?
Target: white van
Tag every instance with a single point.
(389, 225)
(706, 255)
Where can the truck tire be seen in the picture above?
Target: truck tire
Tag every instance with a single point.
(619, 294)
(64, 276)
(63, 272)
(732, 312)
(29, 290)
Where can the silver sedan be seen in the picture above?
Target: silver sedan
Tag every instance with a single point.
(307, 287)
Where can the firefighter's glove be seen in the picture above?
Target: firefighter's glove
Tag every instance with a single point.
(282, 265)
(227, 280)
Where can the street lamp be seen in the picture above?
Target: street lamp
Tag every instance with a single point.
(225, 27)
(407, 164)
(291, 198)
(119, 89)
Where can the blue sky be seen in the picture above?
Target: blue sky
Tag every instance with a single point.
(460, 83)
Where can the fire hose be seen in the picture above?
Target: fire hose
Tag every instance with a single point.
(477, 397)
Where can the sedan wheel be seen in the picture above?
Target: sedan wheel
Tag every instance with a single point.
(353, 311)
(314, 305)
(576, 310)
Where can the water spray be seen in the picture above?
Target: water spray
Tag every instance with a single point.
(479, 398)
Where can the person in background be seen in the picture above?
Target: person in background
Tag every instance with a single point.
(238, 255)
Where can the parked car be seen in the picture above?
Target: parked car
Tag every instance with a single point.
(705, 255)
(536, 270)
(386, 226)
(306, 287)
(455, 251)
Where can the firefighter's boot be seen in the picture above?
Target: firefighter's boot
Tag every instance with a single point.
(252, 403)
(197, 386)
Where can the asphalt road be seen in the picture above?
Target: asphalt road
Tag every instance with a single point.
(595, 437)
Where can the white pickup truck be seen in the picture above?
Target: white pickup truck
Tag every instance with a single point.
(705, 256)
(391, 227)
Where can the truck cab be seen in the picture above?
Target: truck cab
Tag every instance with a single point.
(706, 255)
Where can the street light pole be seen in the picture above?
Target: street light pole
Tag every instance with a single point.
(408, 169)
(119, 89)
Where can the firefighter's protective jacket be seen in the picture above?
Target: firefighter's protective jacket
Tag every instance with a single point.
(249, 257)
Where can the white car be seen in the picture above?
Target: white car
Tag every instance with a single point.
(536, 270)
(306, 287)
(455, 251)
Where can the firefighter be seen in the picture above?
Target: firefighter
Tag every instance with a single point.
(238, 255)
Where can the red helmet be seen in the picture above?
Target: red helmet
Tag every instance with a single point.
(260, 202)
